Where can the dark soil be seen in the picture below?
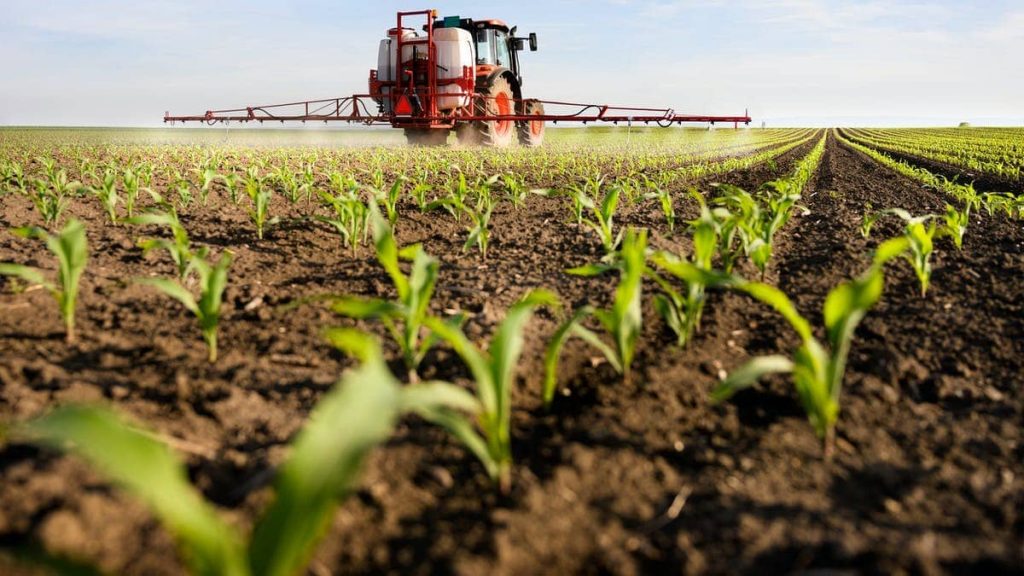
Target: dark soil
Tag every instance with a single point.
(644, 476)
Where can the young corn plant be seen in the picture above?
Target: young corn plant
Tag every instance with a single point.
(213, 279)
(817, 370)
(184, 190)
(209, 177)
(737, 216)
(582, 196)
(132, 186)
(664, 197)
(48, 203)
(320, 471)
(493, 372)
(351, 215)
(920, 231)
(72, 254)
(259, 193)
(515, 189)
(107, 194)
(231, 182)
(405, 316)
(623, 322)
(480, 218)
(682, 311)
(12, 175)
(179, 247)
(419, 193)
(604, 221)
(389, 198)
(956, 223)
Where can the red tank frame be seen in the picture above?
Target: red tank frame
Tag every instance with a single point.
(405, 94)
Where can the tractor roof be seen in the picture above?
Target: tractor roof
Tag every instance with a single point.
(492, 23)
(470, 24)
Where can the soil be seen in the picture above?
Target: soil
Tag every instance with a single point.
(644, 476)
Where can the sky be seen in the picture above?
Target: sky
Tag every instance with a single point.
(790, 62)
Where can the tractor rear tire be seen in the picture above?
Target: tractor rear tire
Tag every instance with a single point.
(426, 136)
(531, 132)
(496, 99)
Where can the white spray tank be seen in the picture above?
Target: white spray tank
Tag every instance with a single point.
(455, 51)
(387, 60)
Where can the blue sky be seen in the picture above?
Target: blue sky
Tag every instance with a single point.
(813, 62)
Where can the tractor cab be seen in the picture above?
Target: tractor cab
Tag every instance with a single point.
(496, 44)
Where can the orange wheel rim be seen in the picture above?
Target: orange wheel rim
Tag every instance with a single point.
(537, 126)
(504, 105)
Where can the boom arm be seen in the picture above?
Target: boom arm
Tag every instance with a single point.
(360, 109)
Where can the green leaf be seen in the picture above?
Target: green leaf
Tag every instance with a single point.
(429, 397)
(174, 290)
(892, 248)
(326, 458)
(778, 300)
(147, 468)
(590, 270)
(363, 308)
(554, 351)
(749, 373)
(26, 273)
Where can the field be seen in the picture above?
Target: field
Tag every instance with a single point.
(895, 446)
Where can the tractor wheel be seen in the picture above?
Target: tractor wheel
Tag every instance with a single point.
(531, 132)
(497, 99)
(426, 136)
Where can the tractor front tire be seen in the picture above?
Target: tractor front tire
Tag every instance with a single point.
(495, 98)
(426, 136)
(531, 132)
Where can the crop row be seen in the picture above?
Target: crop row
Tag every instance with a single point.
(993, 152)
(1006, 203)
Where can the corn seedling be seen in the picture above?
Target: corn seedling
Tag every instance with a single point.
(259, 193)
(179, 247)
(72, 255)
(321, 469)
(48, 203)
(582, 197)
(623, 322)
(817, 371)
(412, 306)
(213, 279)
(209, 178)
(494, 373)
(682, 311)
(389, 198)
(920, 231)
(107, 194)
(351, 214)
(132, 187)
(231, 182)
(604, 220)
(480, 217)
(664, 197)
(956, 223)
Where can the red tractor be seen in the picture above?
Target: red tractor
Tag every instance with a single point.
(458, 74)
(461, 75)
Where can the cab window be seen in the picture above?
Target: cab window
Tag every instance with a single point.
(503, 58)
(485, 46)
